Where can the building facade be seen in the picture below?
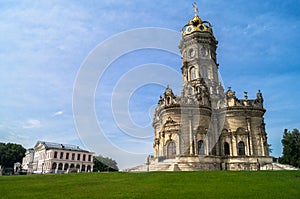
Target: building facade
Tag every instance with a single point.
(205, 127)
(48, 157)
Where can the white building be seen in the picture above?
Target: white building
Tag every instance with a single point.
(28, 160)
(48, 157)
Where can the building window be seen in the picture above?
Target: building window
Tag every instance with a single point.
(66, 166)
(241, 148)
(61, 155)
(90, 158)
(54, 165)
(60, 166)
(226, 149)
(55, 154)
(78, 156)
(83, 158)
(89, 168)
(83, 168)
(72, 166)
(73, 156)
(67, 156)
(200, 147)
(193, 73)
(171, 150)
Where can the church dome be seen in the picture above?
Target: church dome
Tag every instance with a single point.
(196, 24)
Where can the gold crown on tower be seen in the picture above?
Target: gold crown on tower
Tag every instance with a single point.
(196, 24)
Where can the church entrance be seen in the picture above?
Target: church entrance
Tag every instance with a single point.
(171, 150)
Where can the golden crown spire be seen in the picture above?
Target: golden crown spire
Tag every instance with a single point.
(196, 24)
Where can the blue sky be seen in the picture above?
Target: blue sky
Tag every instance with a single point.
(43, 44)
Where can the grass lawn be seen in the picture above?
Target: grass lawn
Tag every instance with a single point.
(200, 184)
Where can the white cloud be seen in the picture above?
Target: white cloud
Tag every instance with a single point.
(57, 113)
(32, 123)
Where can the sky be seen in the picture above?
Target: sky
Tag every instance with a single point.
(46, 45)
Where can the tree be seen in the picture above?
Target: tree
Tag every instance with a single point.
(291, 148)
(11, 153)
(270, 149)
(104, 164)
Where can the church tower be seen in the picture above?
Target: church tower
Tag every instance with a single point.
(205, 128)
(198, 48)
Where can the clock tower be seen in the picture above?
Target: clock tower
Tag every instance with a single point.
(199, 63)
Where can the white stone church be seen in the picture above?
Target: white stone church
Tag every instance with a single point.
(205, 127)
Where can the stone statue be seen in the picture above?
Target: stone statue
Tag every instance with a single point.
(259, 97)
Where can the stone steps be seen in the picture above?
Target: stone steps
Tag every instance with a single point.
(278, 166)
(176, 165)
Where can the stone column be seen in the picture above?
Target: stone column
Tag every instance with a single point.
(163, 144)
(191, 135)
(179, 143)
(250, 136)
(247, 152)
(196, 145)
(234, 145)
(262, 147)
(205, 142)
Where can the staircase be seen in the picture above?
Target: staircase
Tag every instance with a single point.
(166, 165)
(277, 166)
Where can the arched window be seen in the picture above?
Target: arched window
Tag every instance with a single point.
(60, 165)
(226, 149)
(83, 168)
(193, 73)
(55, 154)
(72, 166)
(89, 168)
(200, 147)
(171, 150)
(241, 148)
(54, 165)
(77, 166)
(66, 166)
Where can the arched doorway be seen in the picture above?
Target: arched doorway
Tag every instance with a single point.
(60, 166)
(200, 147)
(226, 149)
(171, 150)
(83, 168)
(54, 165)
(66, 166)
(89, 168)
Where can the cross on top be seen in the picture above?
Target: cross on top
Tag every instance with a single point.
(195, 8)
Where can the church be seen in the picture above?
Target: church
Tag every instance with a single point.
(206, 127)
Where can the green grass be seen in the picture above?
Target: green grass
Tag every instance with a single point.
(208, 184)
